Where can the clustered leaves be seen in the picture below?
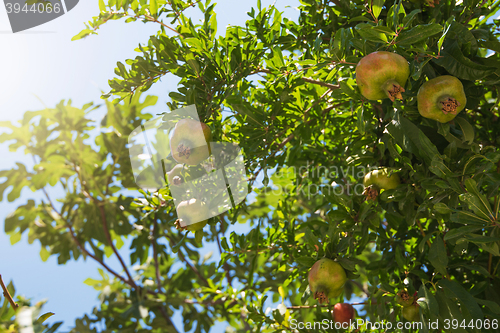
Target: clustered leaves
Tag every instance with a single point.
(285, 92)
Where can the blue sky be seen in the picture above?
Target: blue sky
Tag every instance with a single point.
(38, 68)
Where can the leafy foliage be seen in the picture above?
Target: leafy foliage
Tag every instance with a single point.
(284, 91)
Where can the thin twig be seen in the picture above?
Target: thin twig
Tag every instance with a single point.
(298, 307)
(7, 295)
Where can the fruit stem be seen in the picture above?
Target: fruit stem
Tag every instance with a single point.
(448, 104)
(393, 89)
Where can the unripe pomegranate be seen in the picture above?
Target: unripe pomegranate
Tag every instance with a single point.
(382, 75)
(411, 312)
(193, 215)
(377, 180)
(184, 173)
(403, 298)
(343, 313)
(326, 279)
(175, 176)
(190, 141)
(441, 98)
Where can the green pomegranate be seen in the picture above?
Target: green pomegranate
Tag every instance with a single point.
(441, 98)
(190, 141)
(403, 298)
(326, 279)
(411, 313)
(175, 176)
(184, 173)
(380, 178)
(382, 75)
(193, 215)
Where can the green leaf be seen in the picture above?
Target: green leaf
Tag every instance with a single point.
(44, 317)
(430, 300)
(306, 261)
(485, 208)
(459, 232)
(469, 307)
(153, 7)
(409, 18)
(372, 33)
(490, 304)
(438, 256)
(377, 7)
(418, 34)
(467, 129)
(102, 6)
(458, 65)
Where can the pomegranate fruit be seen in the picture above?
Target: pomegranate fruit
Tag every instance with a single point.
(326, 279)
(441, 98)
(377, 180)
(403, 298)
(189, 141)
(175, 176)
(382, 75)
(184, 173)
(343, 313)
(411, 313)
(193, 215)
(380, 178)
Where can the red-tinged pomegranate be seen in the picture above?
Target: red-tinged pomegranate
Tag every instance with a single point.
(441, 98)
(343, 313)
(382, 75)
(326, 279)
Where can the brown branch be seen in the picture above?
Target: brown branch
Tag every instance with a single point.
(100, 205)
(75, 239)
(188, 263)
(155, 255)
(110, 241)
(225, 266)
(158, 276)
(7, 295)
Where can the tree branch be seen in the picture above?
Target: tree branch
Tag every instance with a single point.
(7, 295)
(100, 206)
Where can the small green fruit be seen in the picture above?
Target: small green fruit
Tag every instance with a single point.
(380, 178)
(411, 312)
(326, 279)
(382, 75)
(193, 215)
(184, 173)
(175, 176)
(190, 140)
(403, 298)
(441, 98)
